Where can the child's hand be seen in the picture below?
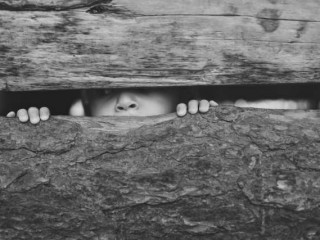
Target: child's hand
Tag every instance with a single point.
(33, 113)
(194, 106)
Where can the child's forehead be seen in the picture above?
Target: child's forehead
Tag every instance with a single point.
(168, 92)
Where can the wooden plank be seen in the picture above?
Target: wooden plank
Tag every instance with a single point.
(294, 9)
(122, 47)
(229, 174)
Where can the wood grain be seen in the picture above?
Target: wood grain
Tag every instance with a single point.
(294, 9)
(229, 174)
(135, 43)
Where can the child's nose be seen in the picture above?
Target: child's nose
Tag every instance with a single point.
(126, 103)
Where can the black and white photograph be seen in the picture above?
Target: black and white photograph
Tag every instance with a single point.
(159, 119)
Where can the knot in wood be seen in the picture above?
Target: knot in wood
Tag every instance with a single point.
(269, 19)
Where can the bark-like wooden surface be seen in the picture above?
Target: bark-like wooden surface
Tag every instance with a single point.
(85, 44)
(230, 174)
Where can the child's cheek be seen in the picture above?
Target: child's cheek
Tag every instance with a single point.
(103, 107)
(159, 105)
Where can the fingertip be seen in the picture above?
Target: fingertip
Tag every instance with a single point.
(44, 109)
(23, 115)
(34, 115)
(44, 113)
(181, 109)
(204, 106)
(193, 106)
(11, 114)
(213, 103)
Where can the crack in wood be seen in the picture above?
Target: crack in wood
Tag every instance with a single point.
(227, 15)
(16, 178)
(114, 10)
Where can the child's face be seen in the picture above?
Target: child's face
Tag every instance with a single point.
(134, 102)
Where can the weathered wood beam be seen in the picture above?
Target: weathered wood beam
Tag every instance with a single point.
(132, 43)
(294, 9)
(230, 174)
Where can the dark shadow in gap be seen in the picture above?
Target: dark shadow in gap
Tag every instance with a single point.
(59, 102)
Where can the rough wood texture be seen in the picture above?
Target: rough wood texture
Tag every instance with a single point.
(50, 5)
(229, 174)
(293, 9)
(86, 44)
